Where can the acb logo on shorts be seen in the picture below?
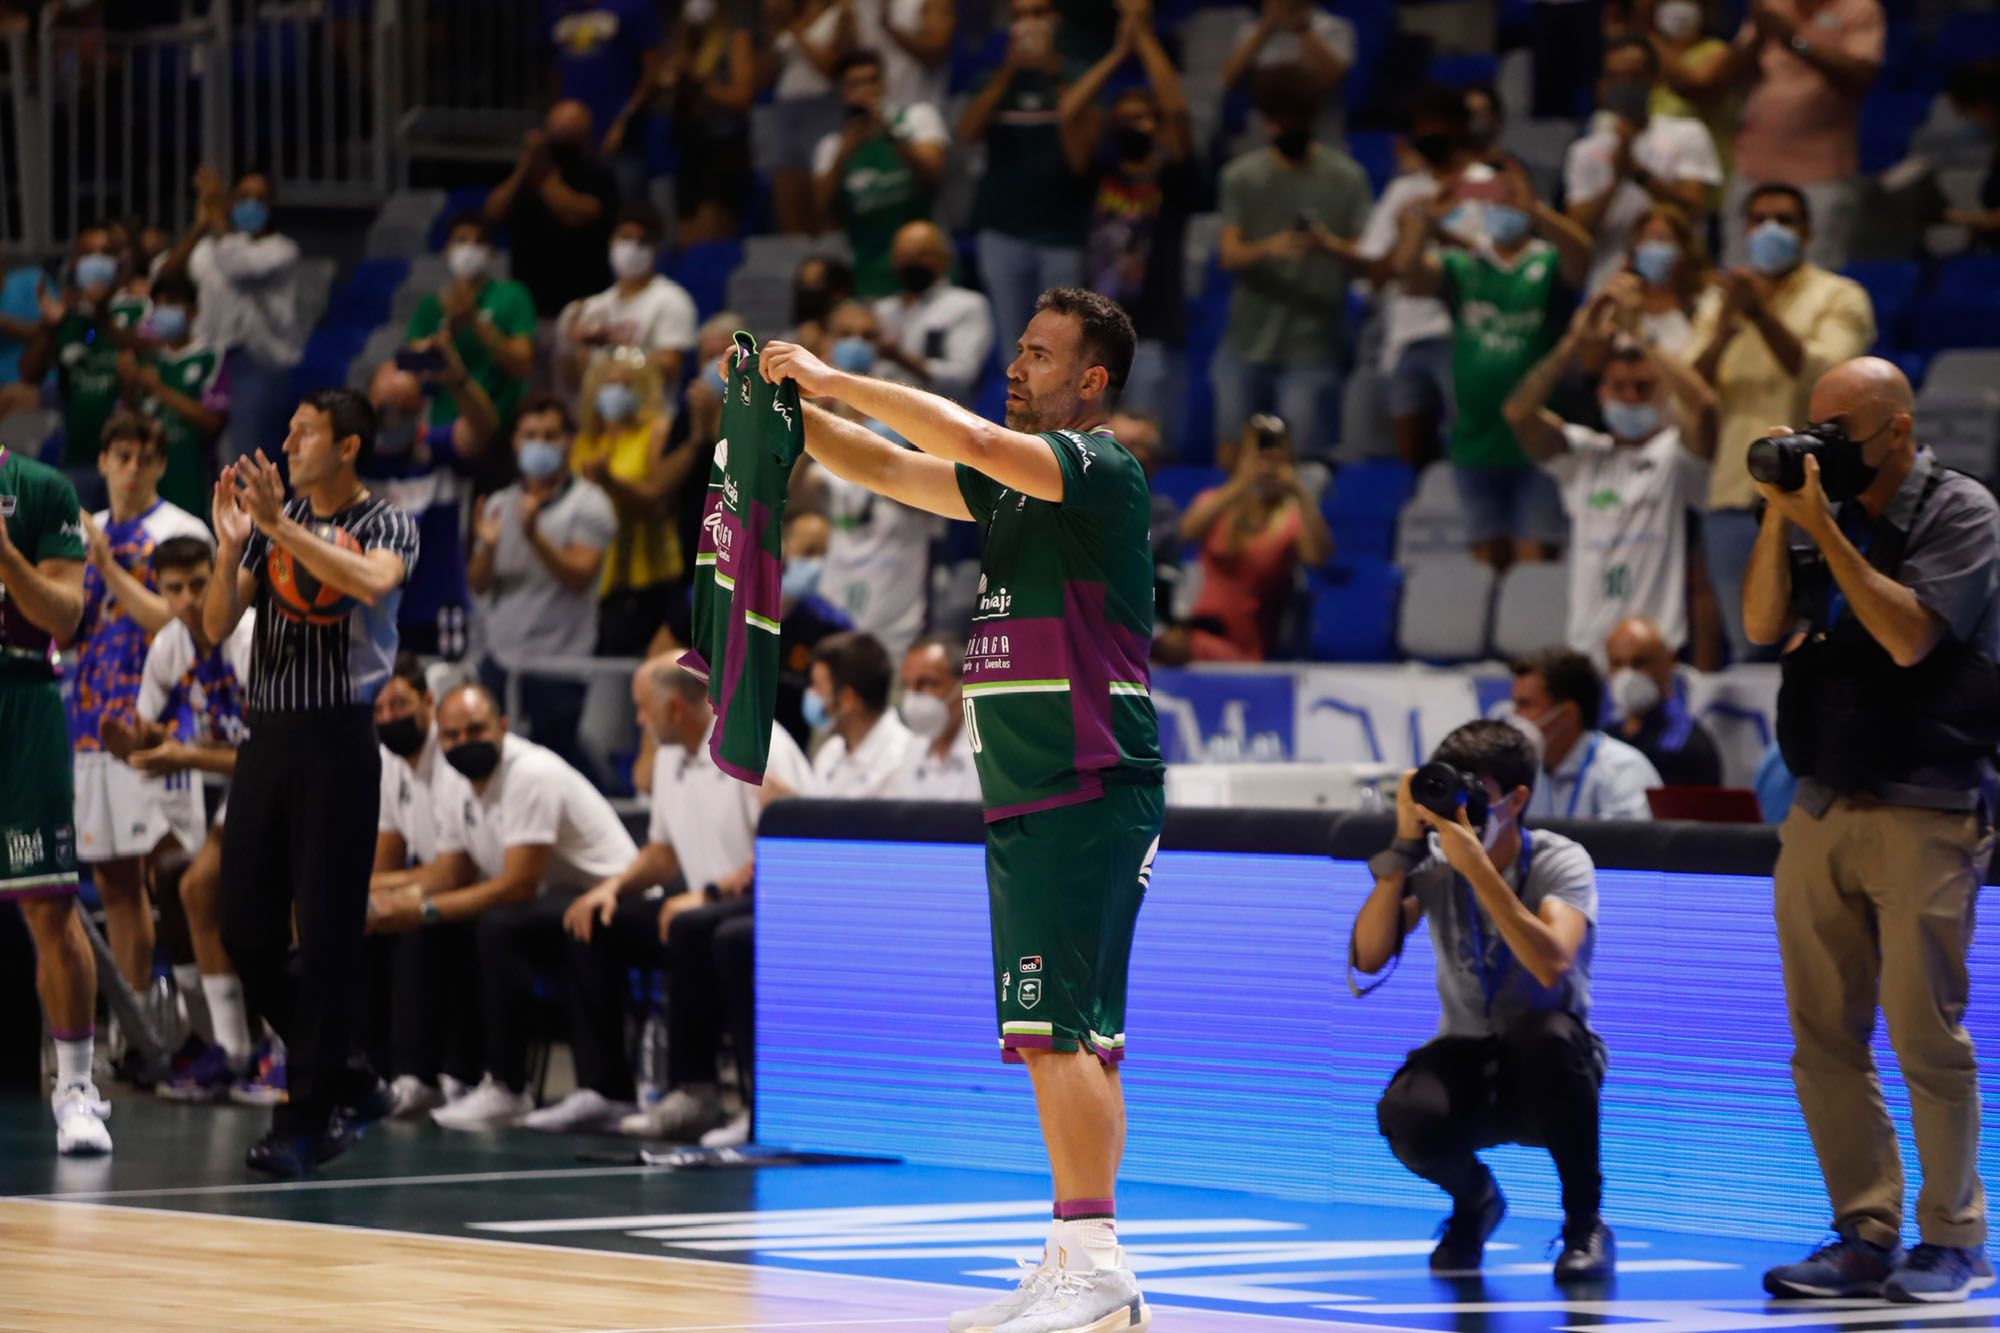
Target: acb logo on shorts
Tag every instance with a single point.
(1030, 992)
(1031, 964)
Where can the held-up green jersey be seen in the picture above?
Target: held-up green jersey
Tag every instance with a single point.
(739, 565)
(1057, 697)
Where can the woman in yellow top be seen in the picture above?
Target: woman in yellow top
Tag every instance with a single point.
(1694, 70)
(621, 445)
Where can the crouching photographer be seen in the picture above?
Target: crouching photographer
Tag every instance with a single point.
(1512, 922)
(1879, 569)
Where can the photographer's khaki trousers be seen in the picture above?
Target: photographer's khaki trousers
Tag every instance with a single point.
(1876, 898)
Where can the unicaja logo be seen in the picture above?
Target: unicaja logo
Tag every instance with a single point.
(995, 603)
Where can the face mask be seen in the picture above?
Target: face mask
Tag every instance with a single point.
(249, 215)
(467, 260)
(1633, 693)
(1773, 249)
(1499, 819)
(538, 459)
(617, 402)
(925, 714)
(1293, 145)
(1631, 421)
(397, 436)
(1654, 261)
(915, 279)
(717, 383)
(1677, 20)
(801, 578)
(856, 356)
(1132, 144)
(475, 759)
(697, 13)
(1843, 469)
(809, 304)
(631, 259)
(169, 322)
(814, 709)
(1435, 149)
(400, 736)
(1506, 224)
(96, 271)
(1627, 99)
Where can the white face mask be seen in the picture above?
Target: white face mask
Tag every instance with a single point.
(1678, 20)
(697, 13)
(467, 260)
(925, 714)
(631, 259)
(1499, 818)
(1633, 693)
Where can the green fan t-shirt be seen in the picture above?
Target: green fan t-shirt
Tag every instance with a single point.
(1504, 318)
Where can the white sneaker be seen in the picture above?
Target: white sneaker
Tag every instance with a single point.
(452, 1088)
(1034, 1281)
(734, 1134)
(585, 1111)
(1100, 1300)
(488, 1106)
(683, 1115)
(80, 1117)
(410, 1097)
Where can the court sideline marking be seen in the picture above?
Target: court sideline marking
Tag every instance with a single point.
(282, 1186)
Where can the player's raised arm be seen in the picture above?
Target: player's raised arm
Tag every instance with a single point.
(367, 576)
(861, 456)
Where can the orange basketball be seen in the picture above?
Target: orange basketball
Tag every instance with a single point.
(297, 592)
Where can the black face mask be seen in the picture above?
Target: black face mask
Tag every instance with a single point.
(809, 304)
(1293, 145)
(1131, 144)
(1435, 149)
(401, 736)
(915, 278)
(475, 759)
(1843, 471)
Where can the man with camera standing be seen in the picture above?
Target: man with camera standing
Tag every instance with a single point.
(1513, 923)
(1886, 605)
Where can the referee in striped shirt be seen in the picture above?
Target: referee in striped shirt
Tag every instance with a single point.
(300, 835)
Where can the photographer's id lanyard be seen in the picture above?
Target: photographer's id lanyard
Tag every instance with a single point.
(1491, 973)
(1575, 792)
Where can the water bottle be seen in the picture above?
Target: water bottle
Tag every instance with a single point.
(653, 1058)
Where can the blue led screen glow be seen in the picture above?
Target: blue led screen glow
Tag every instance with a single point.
(1251, 1066)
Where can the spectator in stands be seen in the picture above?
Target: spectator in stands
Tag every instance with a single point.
(642, 308)
(878, 562)
(182, 383)
(1140, 434)
(1506, 299)
(940, 764)
(1146, 186)
(1694, 73)
(821, 283)
(1513, 930)
(1807, 65)
(1293, 32)
(537, 552)
(607, 55)
(1665, 274)
(1415, 355)
(933, 333)
(1974, 90)
(867, 746)
(701, 840)
(557, 206)
(1253, 533)
(808, 38)
(77, 338)
(248, 277)
(1637, 159)
(622, 445)
(520, 834)
(1290, 213)
(809, 618)
(711, 82)
(427, 469)
(1650, 706)
(879, 172)
(1029, 210)
(1778, 325)
(22, 290)
(490, 321)
(1629, 487)
(1485, 123)
(1585, 773)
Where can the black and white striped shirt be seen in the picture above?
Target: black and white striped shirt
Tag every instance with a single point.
(299, 666)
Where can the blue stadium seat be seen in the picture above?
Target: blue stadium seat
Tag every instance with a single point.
(1374, 21)
(1354, 611)
(1375, 150)
(1888, 121)
(363, 301)
(1464, 70)
(1891, 285)
(1182, 482)
(704, 271)
(466, 199)
(1361, 507)
(1963, 310)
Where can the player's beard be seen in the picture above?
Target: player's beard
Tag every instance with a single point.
(1033, 414)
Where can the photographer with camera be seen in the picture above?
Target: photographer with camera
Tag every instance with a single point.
(1879, 569)
(1512, 917)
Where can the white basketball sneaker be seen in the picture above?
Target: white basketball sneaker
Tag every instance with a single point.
(1034, 1281)
(1100, 1300)
(80, 1117)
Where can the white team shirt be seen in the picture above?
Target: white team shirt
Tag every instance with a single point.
(872, 768)
(949, 328)
(1628, 531)
(409, 802)
(878, 562)
(1600, 778)
(1408, 319)
(1671, 148)
(930, 776)
(904, 78)
(659, 317)
(710, 818)
(533, 799)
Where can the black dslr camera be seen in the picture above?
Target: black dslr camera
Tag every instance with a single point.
(1444, 790)
(1780, 460)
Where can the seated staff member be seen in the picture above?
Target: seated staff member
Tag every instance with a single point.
(939, 765)
(1586, 774)
(519, 833)
(868, 746)
(1650, 704)
(1513, 924)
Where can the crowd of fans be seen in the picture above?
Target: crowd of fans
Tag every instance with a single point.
(1590, 352)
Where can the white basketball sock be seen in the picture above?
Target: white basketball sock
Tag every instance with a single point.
(1087, 1244)
(225, 1010)
(73, 1060)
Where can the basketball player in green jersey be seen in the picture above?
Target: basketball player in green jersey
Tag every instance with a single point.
(1062, 730)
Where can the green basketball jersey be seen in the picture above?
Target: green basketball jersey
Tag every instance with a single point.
(194, 371)
(1057, 690)
(38, 505)
(87, 374)
(739, 565)
(1503, 321)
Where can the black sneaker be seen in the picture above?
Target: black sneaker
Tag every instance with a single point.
(1589, 1252)
(1462, 1237)
(290, 1156)
(377, 1103)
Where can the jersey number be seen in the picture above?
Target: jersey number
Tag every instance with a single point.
(972, 728)
(1617, 582)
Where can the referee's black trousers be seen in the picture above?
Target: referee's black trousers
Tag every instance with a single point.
(298, 848)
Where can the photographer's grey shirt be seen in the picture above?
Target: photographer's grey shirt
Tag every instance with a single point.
(1951, 561)
(1461, 931)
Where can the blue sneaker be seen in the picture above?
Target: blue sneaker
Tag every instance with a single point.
(266, 1084)
(1841, 1267)
(1939, 1274)
(205, 1077)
